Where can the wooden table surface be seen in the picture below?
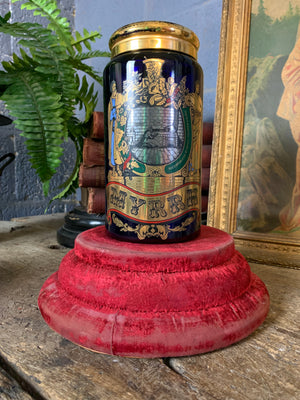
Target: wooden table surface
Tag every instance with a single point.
(37, 363)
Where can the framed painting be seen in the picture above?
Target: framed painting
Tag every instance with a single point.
(255, 170)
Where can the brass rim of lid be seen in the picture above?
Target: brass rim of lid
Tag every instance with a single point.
(154, 35)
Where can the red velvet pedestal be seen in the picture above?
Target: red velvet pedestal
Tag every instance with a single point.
(143, 300)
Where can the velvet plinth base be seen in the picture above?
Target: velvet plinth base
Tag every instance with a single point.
(144, 300)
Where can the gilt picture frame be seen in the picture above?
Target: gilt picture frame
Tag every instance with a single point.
(254, 156)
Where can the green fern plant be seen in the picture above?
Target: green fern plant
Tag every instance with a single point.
(41, 87)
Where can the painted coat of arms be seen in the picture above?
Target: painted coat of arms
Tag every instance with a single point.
(154, 152)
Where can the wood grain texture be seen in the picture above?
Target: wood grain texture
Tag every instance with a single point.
(266, 364)
(54, 367)
(10, 389)
(263, 366)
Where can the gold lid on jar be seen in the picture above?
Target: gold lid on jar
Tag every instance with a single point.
(154, 35)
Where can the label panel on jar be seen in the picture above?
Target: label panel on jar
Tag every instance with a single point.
(154, 145)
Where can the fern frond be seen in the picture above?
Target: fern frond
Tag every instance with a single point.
(87, 69)
(87, 98)
(85, 39)
(41, 87)
(12, 69)
(77, 130)
(40, 41)
(91, 54)
(49, 57)
(44, 47)
(43, 126)
(5, 18)
(71, 184)
(3, 87)
(48, 9)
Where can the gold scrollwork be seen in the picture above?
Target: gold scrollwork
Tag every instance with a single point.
(150, 90)
(153, 230)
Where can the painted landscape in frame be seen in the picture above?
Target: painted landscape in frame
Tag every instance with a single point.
(255, 171)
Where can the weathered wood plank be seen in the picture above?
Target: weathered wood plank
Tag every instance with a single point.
(10, 389)
(56, 368)
(265, 365)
